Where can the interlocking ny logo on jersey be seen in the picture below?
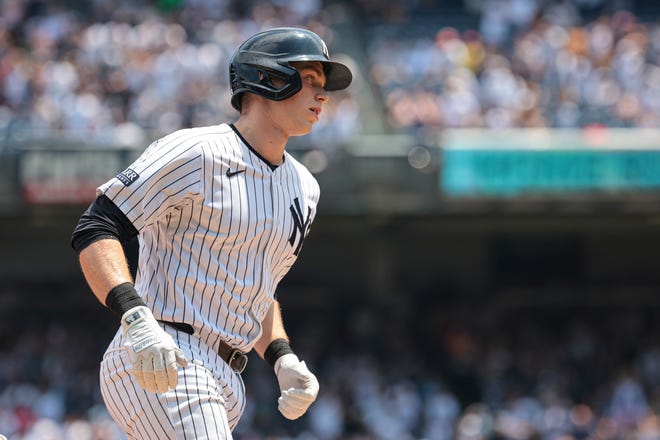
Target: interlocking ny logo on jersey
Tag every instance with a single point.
(128, 176)
(299, 226)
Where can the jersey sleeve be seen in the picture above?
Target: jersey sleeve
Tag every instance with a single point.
(165, 176)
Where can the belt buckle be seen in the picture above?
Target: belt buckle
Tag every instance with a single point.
(237, 361)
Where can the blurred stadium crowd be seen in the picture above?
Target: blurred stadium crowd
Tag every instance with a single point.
(109, 72)
(527, 63)
(425, 371)
(106, 72)
(121, 73)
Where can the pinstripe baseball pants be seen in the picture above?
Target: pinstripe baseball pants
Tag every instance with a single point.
(207, 403)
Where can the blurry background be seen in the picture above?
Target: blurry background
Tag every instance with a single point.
(485, 262)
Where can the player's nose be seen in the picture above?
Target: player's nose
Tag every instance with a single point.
(322, 95)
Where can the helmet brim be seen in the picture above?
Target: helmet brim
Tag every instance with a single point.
(338, 76)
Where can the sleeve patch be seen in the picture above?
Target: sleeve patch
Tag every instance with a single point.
(128, 176)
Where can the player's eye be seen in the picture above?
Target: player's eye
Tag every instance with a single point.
(313, 79)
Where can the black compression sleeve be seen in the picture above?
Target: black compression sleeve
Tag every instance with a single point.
(103, 219)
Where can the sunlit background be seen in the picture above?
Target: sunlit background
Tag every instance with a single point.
(485, 262)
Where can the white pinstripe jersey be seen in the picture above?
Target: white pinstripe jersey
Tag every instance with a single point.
(218, 229)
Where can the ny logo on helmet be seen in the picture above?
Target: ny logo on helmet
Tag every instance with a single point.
(325, 50)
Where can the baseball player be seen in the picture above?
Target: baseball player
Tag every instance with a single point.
(221, 213)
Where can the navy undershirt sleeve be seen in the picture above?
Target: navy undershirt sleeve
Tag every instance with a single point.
(103, 219)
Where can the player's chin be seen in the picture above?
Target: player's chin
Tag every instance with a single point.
(303, 130)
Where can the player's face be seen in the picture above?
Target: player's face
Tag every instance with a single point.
(297, 114)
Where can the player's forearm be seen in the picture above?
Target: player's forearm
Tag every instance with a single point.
(272, 329)
(104, 265)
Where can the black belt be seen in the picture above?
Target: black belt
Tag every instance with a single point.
(236, 359)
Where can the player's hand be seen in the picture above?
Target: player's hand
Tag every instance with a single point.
(152, 351)
(298, 386)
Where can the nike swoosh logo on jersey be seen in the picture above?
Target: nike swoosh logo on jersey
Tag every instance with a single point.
(231, 173)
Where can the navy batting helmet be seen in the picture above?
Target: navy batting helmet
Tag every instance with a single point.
(268, 54)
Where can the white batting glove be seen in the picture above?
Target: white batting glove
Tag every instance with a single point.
(152, 351)
(299, 387)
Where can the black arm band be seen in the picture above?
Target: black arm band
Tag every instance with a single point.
(103, 219)
(122, 298)
(275, 350)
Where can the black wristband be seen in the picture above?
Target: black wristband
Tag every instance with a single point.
(122, 298)
(275, 350)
